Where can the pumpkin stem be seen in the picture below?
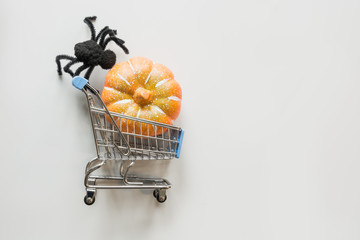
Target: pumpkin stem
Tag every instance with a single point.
(142, 96)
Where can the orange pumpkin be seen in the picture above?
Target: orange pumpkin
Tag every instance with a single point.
(143, 89)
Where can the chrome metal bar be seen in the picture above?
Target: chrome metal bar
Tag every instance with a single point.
(127, 130)
(148, 133)
(88, 98)
(95, 92)
(121, 170)
(126, 181)
(91, 169)
(147, 183)
(168, 133)
(137, 149)
(141, 141)
(156, 141)
(153, 179)
(130, 186)
(101, 124)
(162, 135)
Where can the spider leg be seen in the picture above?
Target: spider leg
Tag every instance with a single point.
(118, 42)
(106, 32)
(80, 69)
(88, 72)
(67, 67)
(88, 21)
(60, 57)
(101, 32)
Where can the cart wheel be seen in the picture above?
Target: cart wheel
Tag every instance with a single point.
(156, 193)
(161, 199)
(88, 200)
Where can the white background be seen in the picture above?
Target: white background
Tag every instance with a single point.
(270, 108)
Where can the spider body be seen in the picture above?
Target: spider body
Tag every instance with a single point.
(92, 52)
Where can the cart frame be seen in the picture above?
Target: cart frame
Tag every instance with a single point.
(126, 139)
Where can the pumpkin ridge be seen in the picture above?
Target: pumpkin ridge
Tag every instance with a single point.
(142, 68)
(136, 73)
(163, 90)
(111, 101)
(167, 106)
(112, 106)
(147, 78)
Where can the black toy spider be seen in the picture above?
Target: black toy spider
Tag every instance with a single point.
(92, 52)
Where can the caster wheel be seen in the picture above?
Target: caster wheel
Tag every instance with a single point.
(161, 199)
(89, 200)
(155, 193)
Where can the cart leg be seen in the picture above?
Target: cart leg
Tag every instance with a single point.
(89, 199)
(160, 195)
(91, 167)
(132, 163)
(122, 168)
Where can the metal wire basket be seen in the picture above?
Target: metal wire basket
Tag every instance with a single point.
(127, 139)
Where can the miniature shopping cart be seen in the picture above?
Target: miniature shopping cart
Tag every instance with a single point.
(126, 139)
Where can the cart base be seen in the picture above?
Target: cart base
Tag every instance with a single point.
(159, 185)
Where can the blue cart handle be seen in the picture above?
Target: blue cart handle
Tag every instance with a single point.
(79, 82)
(180, 139)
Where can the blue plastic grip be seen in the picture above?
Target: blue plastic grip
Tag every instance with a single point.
(180, 139)
(79, 82)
